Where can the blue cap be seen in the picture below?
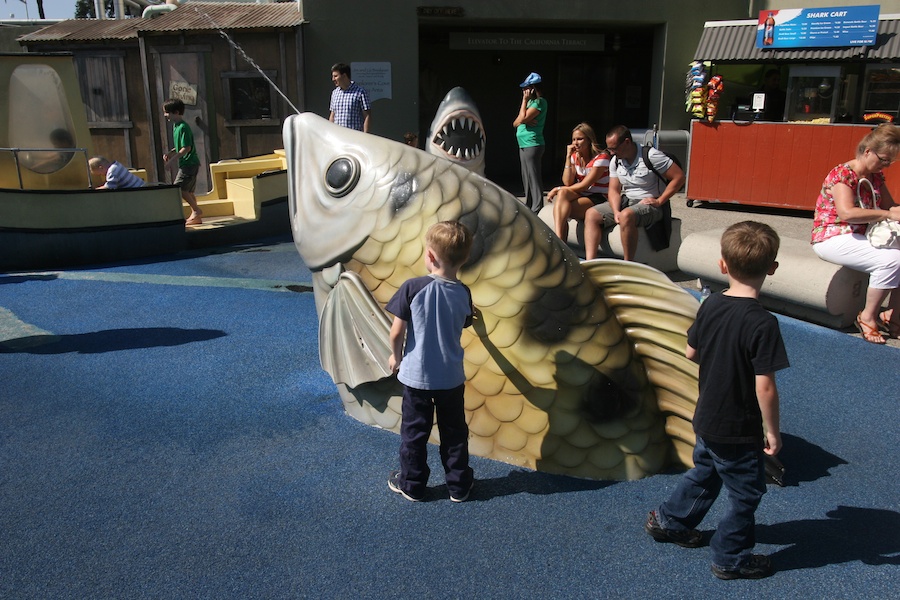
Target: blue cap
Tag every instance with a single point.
(531, 80)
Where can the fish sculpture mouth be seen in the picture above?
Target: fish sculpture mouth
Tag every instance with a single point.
(460, 136)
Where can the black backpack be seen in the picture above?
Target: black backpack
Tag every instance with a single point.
(645, 155)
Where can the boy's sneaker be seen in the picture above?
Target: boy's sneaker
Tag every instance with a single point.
(757, 567)
(394, 486)
(465, 496)
(690, 538)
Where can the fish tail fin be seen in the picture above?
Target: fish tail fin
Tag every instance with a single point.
(656, 315)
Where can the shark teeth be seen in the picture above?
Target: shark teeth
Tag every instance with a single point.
(461, 137)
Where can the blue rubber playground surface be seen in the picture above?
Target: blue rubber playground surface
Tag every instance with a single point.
(166, 432)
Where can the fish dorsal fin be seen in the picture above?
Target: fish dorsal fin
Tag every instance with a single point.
(354, 334)
(656, 315)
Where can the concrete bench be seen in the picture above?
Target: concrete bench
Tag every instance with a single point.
(804, 286)
(611, 243)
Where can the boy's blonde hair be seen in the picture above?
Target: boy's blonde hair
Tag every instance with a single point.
(749, 249)
(98, 162)
(451, 241)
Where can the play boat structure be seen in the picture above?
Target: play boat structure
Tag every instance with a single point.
(51, 215)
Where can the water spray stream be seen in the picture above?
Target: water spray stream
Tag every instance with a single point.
(252, 63)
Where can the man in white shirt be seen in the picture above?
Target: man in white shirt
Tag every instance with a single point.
(637, 196)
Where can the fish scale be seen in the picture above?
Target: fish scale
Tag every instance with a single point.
(556, 378)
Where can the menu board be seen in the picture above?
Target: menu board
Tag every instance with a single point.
(817, 27)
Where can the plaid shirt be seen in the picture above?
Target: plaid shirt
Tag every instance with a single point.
(348, 106)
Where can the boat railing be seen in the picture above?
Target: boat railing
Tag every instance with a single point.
(59, 152)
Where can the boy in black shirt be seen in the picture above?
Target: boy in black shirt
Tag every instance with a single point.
(738, 346)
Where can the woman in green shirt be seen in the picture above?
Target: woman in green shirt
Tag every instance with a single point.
(529, 126)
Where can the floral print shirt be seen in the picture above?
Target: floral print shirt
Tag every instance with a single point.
(826, 222)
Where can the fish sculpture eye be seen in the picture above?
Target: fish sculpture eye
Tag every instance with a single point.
(341, 176)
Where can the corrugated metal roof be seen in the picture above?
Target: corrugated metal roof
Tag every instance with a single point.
(735, 41)
(212, 16)
(85, 30)
(190, 16)
(887, 43)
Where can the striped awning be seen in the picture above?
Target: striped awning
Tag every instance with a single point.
(735, 41)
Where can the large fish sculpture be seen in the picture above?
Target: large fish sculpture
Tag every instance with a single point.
(571, 368)
(457, 132)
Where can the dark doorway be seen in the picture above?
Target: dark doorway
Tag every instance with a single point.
(604, 86)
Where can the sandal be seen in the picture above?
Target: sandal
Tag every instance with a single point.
(869, 333)
(888, 325)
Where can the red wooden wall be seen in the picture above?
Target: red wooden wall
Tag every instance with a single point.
(767, 164)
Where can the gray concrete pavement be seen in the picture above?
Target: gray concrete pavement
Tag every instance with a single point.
(711, 215)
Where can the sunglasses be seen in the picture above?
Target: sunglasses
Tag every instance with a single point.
(617, 146)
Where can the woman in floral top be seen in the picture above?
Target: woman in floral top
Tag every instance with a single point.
(846, 206)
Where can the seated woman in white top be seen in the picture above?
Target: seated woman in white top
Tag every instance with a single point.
(585, 179)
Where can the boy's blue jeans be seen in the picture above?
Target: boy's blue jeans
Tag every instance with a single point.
(418, 411)
(741, 469)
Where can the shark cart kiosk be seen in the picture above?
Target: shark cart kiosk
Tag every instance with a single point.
(796, 89)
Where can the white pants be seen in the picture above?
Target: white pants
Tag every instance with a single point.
(854, 250)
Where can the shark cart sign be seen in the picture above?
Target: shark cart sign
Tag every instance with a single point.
(842, 26)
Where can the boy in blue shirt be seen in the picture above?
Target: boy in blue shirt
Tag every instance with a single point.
(738, 346)
(115, 175)
(430, 313)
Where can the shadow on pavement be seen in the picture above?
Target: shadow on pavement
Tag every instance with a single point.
(805, 462)
(523, 482)
(23, 278)
(110, 340)
(849, 534)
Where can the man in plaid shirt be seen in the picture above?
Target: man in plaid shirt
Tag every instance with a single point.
(350, 106)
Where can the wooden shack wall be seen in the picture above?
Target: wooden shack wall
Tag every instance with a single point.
(272, 50)
(129, 146)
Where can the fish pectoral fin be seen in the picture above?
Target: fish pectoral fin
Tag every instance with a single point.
(354, 334)
(656, 315)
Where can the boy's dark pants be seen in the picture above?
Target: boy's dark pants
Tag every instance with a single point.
(419, 407)
(741, 469)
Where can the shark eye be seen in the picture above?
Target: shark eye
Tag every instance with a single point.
(341, 176)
